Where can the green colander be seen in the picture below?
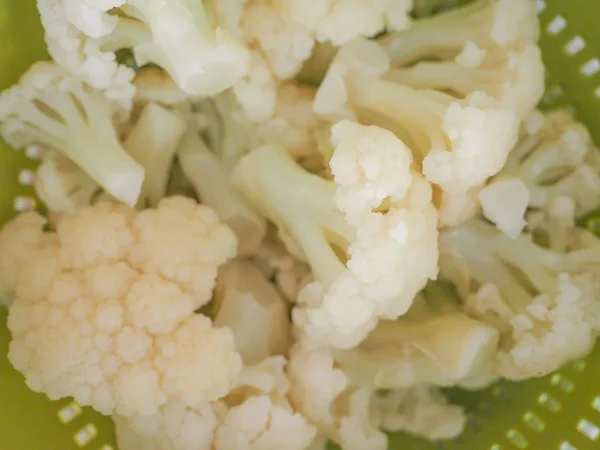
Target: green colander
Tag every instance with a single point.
(558, 412)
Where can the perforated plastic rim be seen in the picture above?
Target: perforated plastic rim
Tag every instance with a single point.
(558, 412)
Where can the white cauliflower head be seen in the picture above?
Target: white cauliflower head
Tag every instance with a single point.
(542, 300)
(105, 313)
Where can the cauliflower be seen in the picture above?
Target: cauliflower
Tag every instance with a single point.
(493, 25)
(104, 311)
(152, 142)
(81, 56)
(209, 172)
(281, 36)
(347, 298)
(340, 21)
(286, 30)
(255, 415)
(54, 110)
(425, 347)
(458, 142)
(495, 52)
(202, 57)
(315, 385)
(544, 302)
(251, 307)
(62, 186)
(355, 416)
(285, 44)
(514, 79)
(557, 159)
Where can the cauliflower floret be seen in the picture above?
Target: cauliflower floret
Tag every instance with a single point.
(50, 108)
(556, 159)
(285, 44)
(348, 298)
(62, 186)
(259, 423)
(254, 415)
(315, 384)
(458, 142)
(355, 415)
(175, 426)
(85, 58)
(425, 347)
(494, 25)
(544, 302)
(202, 58)
(514, 79)
(340, 21)
(105, 311)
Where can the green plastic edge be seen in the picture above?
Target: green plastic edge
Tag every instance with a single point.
(508, 416)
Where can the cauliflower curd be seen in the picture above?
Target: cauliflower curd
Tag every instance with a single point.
(109, 318)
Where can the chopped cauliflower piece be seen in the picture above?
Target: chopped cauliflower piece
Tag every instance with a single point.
(424, 348)
(176, 35)
(458, 142)
(52, 109)
(310, 223)
(81, 56)
(285, 44)
(104, 312)
(514, 79)
(287, 30)
(355, 416)
(340, 21)
(544, 302)
(557, 159)
(494, 25)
